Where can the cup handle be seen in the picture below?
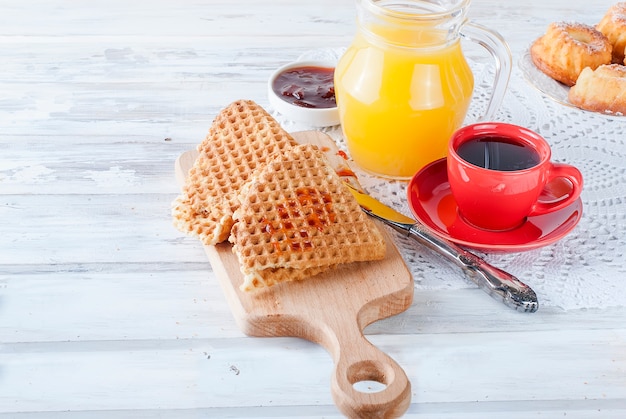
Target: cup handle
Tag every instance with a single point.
(561, 172)
(493, 42)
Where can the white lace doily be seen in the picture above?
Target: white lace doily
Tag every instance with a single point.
(585, 269)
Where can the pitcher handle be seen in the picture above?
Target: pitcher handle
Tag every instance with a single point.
(493, 42)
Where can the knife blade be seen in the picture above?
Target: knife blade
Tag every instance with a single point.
(499, 284)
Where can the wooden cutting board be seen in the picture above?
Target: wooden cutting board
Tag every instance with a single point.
(331, 309)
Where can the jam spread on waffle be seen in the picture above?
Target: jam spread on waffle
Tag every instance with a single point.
(318, 213)
(297, 219)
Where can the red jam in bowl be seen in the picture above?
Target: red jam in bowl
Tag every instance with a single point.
(307, 86)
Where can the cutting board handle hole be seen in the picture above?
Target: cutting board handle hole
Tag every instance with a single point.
(369, 376)
(369, 386)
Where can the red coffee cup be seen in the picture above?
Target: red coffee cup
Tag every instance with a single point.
(500, 173)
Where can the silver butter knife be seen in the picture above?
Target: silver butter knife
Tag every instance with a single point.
(499, 284)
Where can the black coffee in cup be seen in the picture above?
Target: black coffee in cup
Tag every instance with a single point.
(498, 153)
(497, 174)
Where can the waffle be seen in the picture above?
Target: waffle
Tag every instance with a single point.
(241, 139)
(296, 219)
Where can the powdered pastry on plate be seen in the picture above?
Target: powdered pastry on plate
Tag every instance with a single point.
(601, 90)
(567, 48)
(613, 26)
(242, 138)
(296, 219)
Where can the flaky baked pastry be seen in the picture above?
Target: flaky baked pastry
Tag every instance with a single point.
(613, 26)
(567, 48)
(601, 90)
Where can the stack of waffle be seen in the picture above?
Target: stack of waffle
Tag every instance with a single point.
(282, 206)
(242, 138)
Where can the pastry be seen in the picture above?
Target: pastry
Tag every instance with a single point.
(566, 48)
(296, 219)
(613, 26)
(242, 138)
(601, 90)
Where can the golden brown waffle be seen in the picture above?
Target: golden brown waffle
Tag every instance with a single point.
(297, 219)
(241, 139)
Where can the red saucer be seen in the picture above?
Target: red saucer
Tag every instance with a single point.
(432, 203)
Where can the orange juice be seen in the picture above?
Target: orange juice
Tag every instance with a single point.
(400, 105)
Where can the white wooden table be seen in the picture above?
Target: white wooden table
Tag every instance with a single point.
(106, 311)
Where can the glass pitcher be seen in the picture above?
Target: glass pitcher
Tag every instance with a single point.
(403, 86)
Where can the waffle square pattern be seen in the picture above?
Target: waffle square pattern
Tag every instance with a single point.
(296, 218)
(242, 137)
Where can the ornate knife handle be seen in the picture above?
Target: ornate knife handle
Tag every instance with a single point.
(496, 282)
